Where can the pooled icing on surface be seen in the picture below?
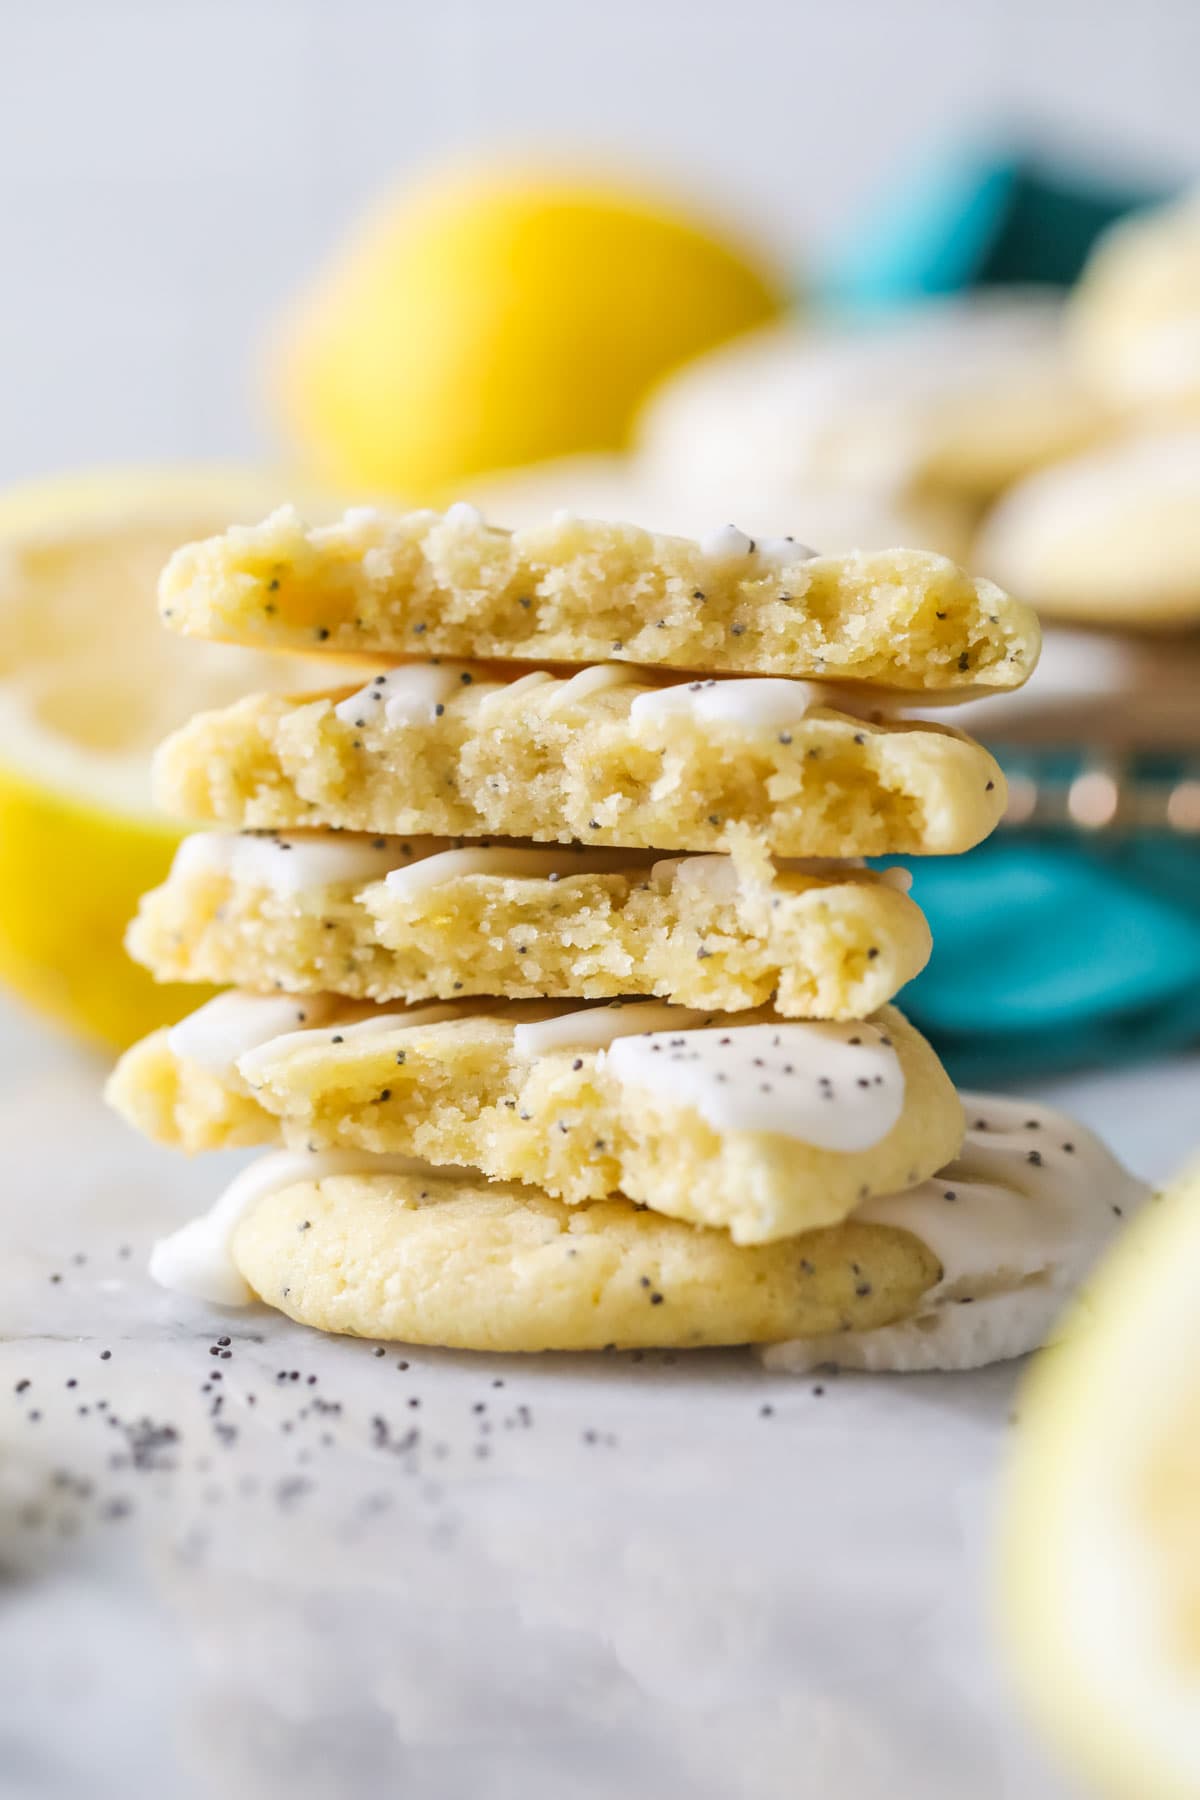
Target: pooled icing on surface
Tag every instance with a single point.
(198, 1258)
(836, 1086)
(1015, 1221)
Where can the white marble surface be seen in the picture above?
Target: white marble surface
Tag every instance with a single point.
(581, 1578)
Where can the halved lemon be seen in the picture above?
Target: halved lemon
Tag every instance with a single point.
(89, 682)
(1100, 1566)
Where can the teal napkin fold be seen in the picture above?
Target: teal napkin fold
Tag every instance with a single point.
(974, 214)
(1052, 953)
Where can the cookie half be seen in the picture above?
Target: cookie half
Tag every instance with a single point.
(603, 758)
(421, 919)
(765, 1127)
(576, 590)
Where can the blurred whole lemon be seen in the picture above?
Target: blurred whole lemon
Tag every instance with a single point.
(485, 320)
(89, 682)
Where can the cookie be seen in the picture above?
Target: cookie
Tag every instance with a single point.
(577, 590)
(1135, 314)
(603, 757)
(1110, 538)
(1016, 1221)
(949, 402)
(423, 1257)
(419, 919)
(765, 1127)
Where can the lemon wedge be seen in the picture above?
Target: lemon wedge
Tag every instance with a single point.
(89, 682)
(1100, 1589)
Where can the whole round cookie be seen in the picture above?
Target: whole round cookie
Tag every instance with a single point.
(1109, 538)
(452, 1260)
(1134, 319)
(957, 398)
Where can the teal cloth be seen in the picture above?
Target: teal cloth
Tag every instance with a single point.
(974, 215)
(1052, 953)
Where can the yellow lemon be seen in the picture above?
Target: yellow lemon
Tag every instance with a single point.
(89, 682)
(486, 320)
(1100, 1589)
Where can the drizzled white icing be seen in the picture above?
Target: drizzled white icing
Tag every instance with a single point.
(356, 1023)
(1015, 1221)
(408, 695)
(217, 1034)
(198, 1258)
(727, 542)
(596, 1027)
(782, 551)
(719, 872)
(755, 702)
(498, 860)
(291, 865)
(590, 681)
(835, 1086)
(463, 514)
(498, 699)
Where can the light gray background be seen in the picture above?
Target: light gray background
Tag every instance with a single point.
(170, 169)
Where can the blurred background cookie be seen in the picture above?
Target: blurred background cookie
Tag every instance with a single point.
(1111, 537)
(1135, 316)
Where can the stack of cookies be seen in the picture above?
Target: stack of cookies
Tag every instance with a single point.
(559, 983)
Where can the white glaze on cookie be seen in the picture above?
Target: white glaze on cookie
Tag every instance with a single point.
(357, 1021)
(755, 703)
(727, 542)
(596, 680)
(1015, 1222)
(596, 1027)
(412, 694)
(836, 1086)
(218, 1033)
(421, 877)
(290, 865)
